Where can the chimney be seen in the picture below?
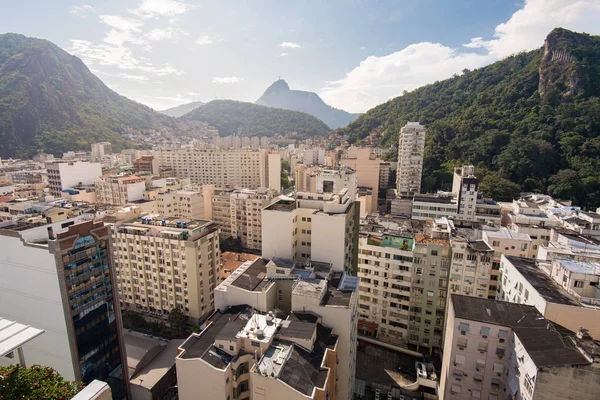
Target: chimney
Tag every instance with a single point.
(51, 233)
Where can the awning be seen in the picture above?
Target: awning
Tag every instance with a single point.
(14, 335)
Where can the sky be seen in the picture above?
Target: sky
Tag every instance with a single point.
(354, 53)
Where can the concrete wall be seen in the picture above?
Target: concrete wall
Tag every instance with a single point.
(328, 238)
(277, 238)
(198, 380)
(30, 294)
(559, 383)
(572, 317)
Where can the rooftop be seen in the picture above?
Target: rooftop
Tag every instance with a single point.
(580, 267)
(505, 233)
(546, 343)
(541, 282)
(252, 277)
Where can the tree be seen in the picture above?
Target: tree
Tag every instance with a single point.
(35, 383)
(566, 184)
(498, 188)
(178, 320)
(285, 180)
(285, 165)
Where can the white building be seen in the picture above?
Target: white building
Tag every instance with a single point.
(187, 204)
(65, 175)
(164, 263)
(242, 168)
(314, 156)
(99, 150)
(119, 190)
(495, 350)
(410, 158)
(321, 225)
(471, 271)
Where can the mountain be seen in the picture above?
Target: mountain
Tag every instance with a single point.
(51, 102)
(182, 109)
(232, 117)
(529, 122)
(279, 95)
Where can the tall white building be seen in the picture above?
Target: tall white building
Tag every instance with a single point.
(320, 225)
(65, 175)
(244, 168)
(99, 150)
(410, 158)
(163, 263)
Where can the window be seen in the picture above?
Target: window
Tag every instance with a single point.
(503, 335)
(578, 284)
(479, 365)
(458, 375)
(475, 394)
(455, 389)
(498, 368)
(462, 343)
(477, 378)
(485, 331)
(483, 346)
(500, 351)
(495, 243)
(255, 344)
(459, 359)
(463, 327)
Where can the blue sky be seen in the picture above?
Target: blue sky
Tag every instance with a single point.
(355, 54)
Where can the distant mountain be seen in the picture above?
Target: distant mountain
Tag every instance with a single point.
(182, 109)
(529, 122)
(51, 102)
(279, 95)
(231, 117)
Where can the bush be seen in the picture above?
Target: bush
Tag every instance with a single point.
(35, 383)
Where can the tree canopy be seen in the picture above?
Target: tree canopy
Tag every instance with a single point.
(35, 383)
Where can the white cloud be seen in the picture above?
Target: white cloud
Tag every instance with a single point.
(136, 78)
(82, 10)
(227, 79)
(206, 39)
(363, 48)
(377, 79)
(193, 94)
(282, 55)
(290, 45)
(160, 8)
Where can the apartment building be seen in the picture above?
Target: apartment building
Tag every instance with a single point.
(185, 204)
(65, 175)
(321, 225)
(366, 164)
(433, 206)
(385, 171)
(262, 353)
(147, 163)
(238, 212)
(526, 281)
(314, 156)
(411, 147)
(99, 150)
(585, 223)
(240, 167)
(496, 350)
(403, 271)
(565, 243)
(471, 270)
(119, 190)
(164, 263)
(60, 278)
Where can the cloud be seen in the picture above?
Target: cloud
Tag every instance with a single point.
(81, 10)
(193, 94)
(363, 48)
(175, 99)
(160, 8)
(227, 79)
(290, 45)
(282, 55)
(206, 39)
(377, 79)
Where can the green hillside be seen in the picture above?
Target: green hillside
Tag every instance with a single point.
(231, 117)
(50, 102)
(532, 119)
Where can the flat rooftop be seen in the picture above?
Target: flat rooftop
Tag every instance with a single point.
(580, 267)
(505, 233)
(541, 282)
(253, 277)
(546, 343)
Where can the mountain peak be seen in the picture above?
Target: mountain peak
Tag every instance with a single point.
(278, 86)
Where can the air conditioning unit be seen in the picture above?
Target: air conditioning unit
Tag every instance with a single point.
(461, 347)
(484, 336)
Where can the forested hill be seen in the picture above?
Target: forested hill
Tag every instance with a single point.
(533, 119)
(51, 102)
(248, 119)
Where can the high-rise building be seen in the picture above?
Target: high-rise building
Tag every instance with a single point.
(465, 186)
(320, 225)
(146, 163)
(282, 329)
(238, 212)
(245, 168)
(188, 204)
(410, 159)
(65, 175)
(100, 150)
(119, 190)
(60, 278)
(366, 164)
(166, 263)
(498, 350)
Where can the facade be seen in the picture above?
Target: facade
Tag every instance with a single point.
(119, 190)
(385, 170)
(526, 281)
(187, 204)
(366, 164)
(410, 158)
(65, 175)
(498, 350)
(465, 186)
(60, 277)
(99, 150)
(250, 351)
(314, 156)
(164, 263)
(321, 225)
(146, 163)
(471, 271)
(221, 168)
(238, 212)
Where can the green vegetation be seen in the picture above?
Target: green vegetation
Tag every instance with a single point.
(35, 383)
(529, 122)
(233, 117)
(174, 329)
(50, 102)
